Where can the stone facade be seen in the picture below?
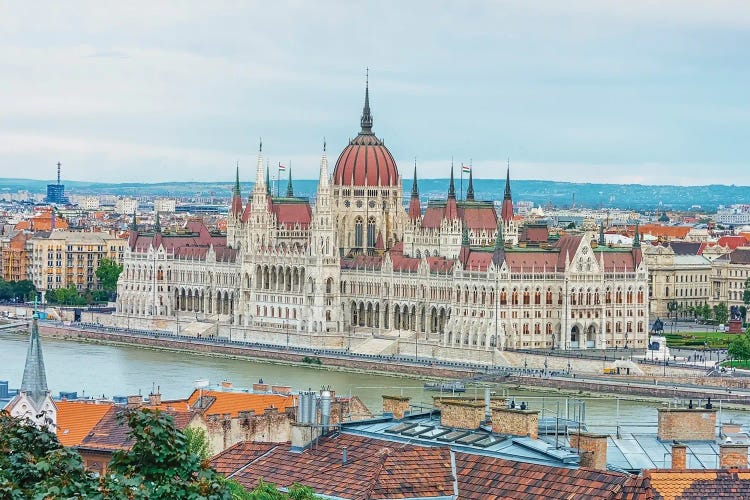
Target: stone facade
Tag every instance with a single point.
(353, 265)
(272, 426)
(397, 405)
(683, 424)
(515, 422)
(733, 456)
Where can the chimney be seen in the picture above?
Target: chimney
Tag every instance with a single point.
(302, 436)
(732, 455)
(687, 424)
(226, 384)
(261, 387)
(154, 399)
(462, 414)
(325, 409)
(515, 421)
(730, 428)
(592, 448)
(281, 389)
(135, 401)
(679, 456)
(344, 457)
(398, 406)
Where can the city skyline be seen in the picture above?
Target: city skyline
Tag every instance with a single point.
(635, 94)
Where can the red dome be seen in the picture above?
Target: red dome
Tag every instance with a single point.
(365, 161)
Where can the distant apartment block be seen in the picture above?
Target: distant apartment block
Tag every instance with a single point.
(165, 205)
(737, 215)
(13, 263)
(86, 202)
(126, 205)
(61, 258)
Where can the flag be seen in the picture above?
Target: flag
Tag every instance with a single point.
(282, 168)
(465, 168)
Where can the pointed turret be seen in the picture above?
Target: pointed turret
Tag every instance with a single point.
(470, 190)
(268, 181)
(507, 210)
(157, 224)
(259, 183)
(602, 241)
(289, 188)
(323, 181)
(498, 255)
(34, 382)
(236, 195)
(451, 209)
(637, 237)
(465, 236)
(134, 223)
(415, 210)
(366, 120)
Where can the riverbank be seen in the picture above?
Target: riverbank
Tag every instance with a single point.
(636, 390)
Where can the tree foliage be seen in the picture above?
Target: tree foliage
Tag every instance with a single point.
(68, 296)
(20, 291)
(740, 348)
(746, 293)
(721, 313)
(108, 272)
(197, 442)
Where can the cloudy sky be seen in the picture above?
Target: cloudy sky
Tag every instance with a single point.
(617, 91)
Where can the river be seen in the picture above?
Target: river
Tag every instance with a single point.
(98, 369)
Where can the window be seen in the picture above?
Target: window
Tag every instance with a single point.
(358, 232)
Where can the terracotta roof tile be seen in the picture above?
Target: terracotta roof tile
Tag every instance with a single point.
(236, 456)
(232, 403)
(75, 419)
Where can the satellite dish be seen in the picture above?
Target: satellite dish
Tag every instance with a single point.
(201, 383)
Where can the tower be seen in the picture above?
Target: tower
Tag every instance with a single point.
(33, 401)
(234, 220)
(506, 211)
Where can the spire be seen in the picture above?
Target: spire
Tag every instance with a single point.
(452, 186)
(323, 182)
(507, 182)
(470, 190)
(366, 120)
(499, 238)
(34, 382)
(237, 181)
(637, 237)
(259, 170)
(134, 223)
(414, 186)
(289, 188)
(465, 236)
(602, 241)
(157, 224)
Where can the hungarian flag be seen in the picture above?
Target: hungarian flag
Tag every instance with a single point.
(282, 168)
(465, 168)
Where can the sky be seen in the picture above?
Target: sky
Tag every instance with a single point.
(653, 92)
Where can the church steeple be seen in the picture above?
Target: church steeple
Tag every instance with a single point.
(414, 186)
(34, 382)
(366, 120)
(499, 239)
(289, 188)
(157, 224)
(465, 235)
(134, 223)
(602, 241)
(237, 181)
(637, 237)
(470, 190)
(507, 196)
(415, 210)
(506, 212)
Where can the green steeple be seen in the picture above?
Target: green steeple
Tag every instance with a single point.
(34, 382)
(268, 181)
(499, 239)
(637, 237)
(465, 236)
(602, 241)
(289, 188)
(237, 181)
(470, 190)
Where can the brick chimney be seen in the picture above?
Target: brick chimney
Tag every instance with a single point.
(462, 414)
(516, 422)
(281, 389)
(261, 387)
(679, 456)
(733, 455)
(154, 399)
(397, 405)
(592, 448)
(226, 384)
(687, 424)
(135, 401)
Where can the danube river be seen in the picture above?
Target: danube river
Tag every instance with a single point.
(96, 369)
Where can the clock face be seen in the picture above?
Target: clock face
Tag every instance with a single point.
(347, 203)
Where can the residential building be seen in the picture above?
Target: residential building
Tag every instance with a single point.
(14, 262)
(165, 205)
(126, 205)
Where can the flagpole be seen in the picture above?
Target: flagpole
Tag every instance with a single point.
(462, 181)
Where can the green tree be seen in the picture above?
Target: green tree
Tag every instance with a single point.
(746, 293)
(740, 348)
(705, 311)
(197, 442)
(269, 491)
(33, 464)
(159, 465)
(108, 272)
(721, 313)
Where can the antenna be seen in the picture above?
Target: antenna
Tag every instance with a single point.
(58, 172)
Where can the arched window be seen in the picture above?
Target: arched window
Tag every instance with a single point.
(371, 232)
(358, 232)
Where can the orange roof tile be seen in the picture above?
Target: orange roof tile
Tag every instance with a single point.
(221, 403)
(679, 232)
(75, 419)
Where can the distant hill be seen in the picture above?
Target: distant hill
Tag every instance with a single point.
(559, 194)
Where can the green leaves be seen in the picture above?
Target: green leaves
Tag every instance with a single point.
(108, 272)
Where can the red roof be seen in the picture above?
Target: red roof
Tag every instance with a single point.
(291, 213)
(365, 161)
(732, 241)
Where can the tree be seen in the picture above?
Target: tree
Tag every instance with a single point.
(197, 442)
(33, 464)
(704, 311)
(159, 465)
(108, 272)
(740, 348)
(746, 293)
(721, 313)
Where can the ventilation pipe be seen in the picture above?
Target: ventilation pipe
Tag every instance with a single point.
(325, 409)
